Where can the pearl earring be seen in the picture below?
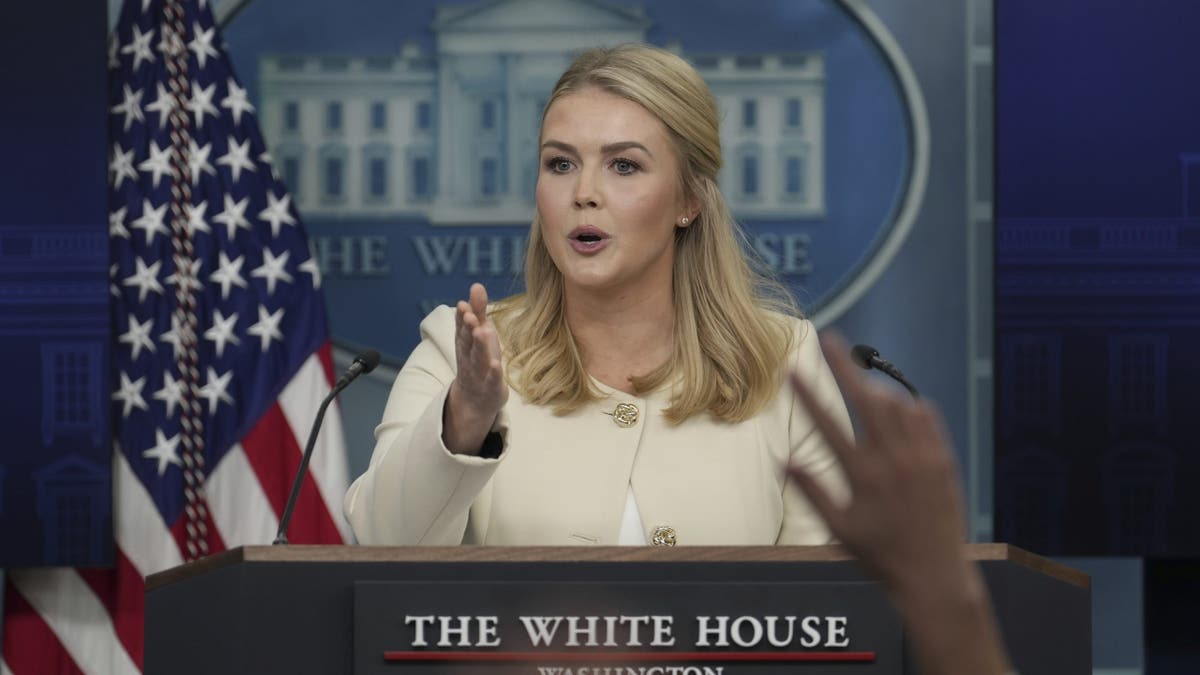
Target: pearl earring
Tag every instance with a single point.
(683, 221)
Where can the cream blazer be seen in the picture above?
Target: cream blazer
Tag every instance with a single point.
(563, 480)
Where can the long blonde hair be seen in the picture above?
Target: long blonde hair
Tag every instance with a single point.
(732, 335)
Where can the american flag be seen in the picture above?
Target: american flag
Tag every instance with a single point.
(220, 356)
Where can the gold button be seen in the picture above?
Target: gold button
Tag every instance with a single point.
(625, 415)
(663, 535)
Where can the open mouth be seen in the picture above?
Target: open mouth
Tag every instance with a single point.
(588, 239)
(588, 234)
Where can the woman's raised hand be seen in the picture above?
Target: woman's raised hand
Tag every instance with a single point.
(479, 390)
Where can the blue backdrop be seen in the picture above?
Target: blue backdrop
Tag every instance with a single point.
(55, 487)
(1098, 278)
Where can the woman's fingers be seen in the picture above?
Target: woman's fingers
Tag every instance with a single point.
(471, 341)
(465, 318)
(477, 342)
(481, 352)
(479, 390)
(479, 298)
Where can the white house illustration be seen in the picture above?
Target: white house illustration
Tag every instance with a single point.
(452, 137)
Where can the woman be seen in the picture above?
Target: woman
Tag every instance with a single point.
(635, 392)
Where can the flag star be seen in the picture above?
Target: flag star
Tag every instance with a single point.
(121, 166)
(237, 157)
(201, 44)
(234, 215)
(311, 267)
(165, 450)
(229, 273)
(214, 390)
(198, 160)
(176, 337)
(145, 278)
(221, 332)
(171, 393)
(195, 218)
(158, 163)
(188, 276)
(112, 276)
(145, 5)
(276, 213)
(164, 105)
(236, 101)
(138, 335)
(130, 394)
(151, 220)
(200, 103)
(139, 46)
(116, 223)
(130, 107)
(272, 269)
(267, 328)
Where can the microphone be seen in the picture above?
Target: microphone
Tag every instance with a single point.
(867, 358)
(363, 363)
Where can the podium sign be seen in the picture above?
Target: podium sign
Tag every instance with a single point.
(592, 628)
(465, 610)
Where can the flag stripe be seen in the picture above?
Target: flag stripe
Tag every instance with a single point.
(237, 502)
(122, 591)
(325, 355)
(300, 400)
(141, 533)
(30, 646)
(77, 617)
(274, 454)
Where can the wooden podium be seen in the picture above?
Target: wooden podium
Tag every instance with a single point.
(365, 610)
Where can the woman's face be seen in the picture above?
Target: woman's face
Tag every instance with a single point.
(608, 194)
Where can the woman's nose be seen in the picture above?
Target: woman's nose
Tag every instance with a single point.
(586, 195)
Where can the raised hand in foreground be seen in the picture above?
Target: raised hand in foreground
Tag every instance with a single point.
(479, 390)
(905, 519)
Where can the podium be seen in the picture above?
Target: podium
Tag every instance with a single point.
(364, 610)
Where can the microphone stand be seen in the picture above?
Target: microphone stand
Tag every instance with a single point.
(363, 363)
(281, 535)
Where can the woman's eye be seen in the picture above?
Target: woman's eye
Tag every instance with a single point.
(559, 164)
(624, 166)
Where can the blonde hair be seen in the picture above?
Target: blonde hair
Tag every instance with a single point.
(732, 335)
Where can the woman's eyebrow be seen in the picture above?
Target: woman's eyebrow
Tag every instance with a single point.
(610, 148)
(565, 147)
(606, 149)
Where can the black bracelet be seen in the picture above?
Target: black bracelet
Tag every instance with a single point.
(493, 445)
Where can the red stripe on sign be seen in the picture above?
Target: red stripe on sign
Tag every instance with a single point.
(30, 645)
(122, 590)
(627, 657)
(273, 451)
